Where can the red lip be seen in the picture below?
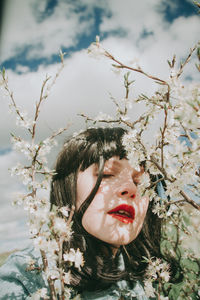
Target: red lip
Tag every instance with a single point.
(124, 213)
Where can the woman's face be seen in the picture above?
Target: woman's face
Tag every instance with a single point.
(117, 212)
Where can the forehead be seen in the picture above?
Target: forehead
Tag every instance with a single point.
(119, 164)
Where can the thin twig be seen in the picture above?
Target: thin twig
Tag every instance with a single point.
(120, 120)
(42, 97)
(186, 61)
(71, 215)
(185, 196)
(163, 138)
(50, 282)
(60, 264)
(14, 103)
(189, 200)
(139, 70)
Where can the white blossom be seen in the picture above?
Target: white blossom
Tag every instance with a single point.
(65, 211)
(60, 227)
(67, 277)
(41, 293)
(96, 50)
(149, 289)
(74, 256)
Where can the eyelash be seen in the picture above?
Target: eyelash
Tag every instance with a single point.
(107, 175)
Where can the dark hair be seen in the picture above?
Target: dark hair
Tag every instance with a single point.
(96, 145)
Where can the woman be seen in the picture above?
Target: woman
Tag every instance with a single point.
(93, 174)
(113, 224)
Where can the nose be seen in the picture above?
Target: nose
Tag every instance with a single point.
(127, 190)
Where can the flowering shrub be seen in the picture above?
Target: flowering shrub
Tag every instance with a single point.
(172, 155)
(48, 229)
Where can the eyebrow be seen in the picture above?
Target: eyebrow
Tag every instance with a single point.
(114, 163)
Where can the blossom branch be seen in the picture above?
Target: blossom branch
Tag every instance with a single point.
(60, 264)
(50, 281)
(163, 137)
(42, 97)
(120, 65)
(120, 120)
(185, 196)
(180, 71)
(10, 93)
(189, 200)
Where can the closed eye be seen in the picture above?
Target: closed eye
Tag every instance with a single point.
(107, 175)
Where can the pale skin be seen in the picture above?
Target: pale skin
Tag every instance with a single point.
(119, 186)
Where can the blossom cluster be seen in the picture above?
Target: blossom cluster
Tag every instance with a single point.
(165, 139)
(49, 229)
(157, 271)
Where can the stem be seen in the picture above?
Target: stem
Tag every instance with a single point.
(14, 103)
(120, 120)
(189, 200)
(163, 138)
(60, 263)
(183, 194)
(139, 70)
(42, 97)
(50, 282)
(186, 61)
(161, 169)
(71, 215)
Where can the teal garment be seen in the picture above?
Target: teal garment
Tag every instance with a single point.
(18, 283)
(117, 291)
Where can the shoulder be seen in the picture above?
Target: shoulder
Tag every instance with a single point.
(119, 290)
(20, 275)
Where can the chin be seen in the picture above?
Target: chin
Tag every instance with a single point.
(122, 241)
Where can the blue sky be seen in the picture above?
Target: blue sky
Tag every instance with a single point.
(87, 13)
(147, 33)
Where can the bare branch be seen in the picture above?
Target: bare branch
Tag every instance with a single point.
(189, 200)
(186, 61)
(50, 281)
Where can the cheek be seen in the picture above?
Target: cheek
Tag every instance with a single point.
(83, 190)
(143, 206)
(94, 218)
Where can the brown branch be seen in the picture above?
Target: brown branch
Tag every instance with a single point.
(60, 263)
(189, 200)
(186, 61)
(42, 97)
(55, 134)
(183, 194)
(14, 103)
(71, 215)
(139, 70)
(155, 183)
(120, 120)
(163, 138)
(161, 169)
(50, 282)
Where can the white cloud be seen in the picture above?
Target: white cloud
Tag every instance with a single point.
(22, 28)
(131, 16)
